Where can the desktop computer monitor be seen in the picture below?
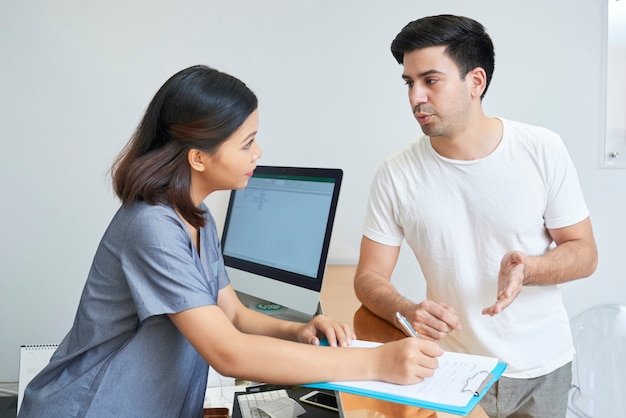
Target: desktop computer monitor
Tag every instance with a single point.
(276, 237)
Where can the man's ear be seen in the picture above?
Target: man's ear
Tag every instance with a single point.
(197, 159)
(478, 79)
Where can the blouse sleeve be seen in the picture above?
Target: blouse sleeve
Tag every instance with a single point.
(162, 268)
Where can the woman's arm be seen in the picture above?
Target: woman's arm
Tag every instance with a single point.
(266, 359)
(250, 321)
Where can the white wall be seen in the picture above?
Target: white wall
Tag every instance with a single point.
(76, 76)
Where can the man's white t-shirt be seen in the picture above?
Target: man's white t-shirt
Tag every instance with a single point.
(461, 217)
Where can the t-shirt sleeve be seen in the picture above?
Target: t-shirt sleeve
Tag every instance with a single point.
(381, 223)
(566, 204)
(163, 274)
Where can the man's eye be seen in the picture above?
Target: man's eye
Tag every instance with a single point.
(408, 83)
(431, 80)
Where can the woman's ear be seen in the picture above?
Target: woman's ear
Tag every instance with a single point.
(197, 159)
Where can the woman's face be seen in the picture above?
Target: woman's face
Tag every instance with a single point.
(232, 164)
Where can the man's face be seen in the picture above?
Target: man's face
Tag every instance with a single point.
(439, 98)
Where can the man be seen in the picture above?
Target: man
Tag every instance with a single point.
(492, 209)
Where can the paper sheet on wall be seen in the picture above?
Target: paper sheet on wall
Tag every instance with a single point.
(33, 358)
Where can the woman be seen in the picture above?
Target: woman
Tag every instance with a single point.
(158, 308)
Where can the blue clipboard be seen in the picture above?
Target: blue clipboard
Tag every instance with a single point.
(454, 409)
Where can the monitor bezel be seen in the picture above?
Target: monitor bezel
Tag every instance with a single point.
(272, 273)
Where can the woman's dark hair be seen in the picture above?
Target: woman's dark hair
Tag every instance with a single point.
(466, 41)
(197, 108)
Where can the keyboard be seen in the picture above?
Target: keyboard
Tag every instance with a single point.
(248, 402)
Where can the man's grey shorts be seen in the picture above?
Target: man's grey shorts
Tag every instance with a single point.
(540, 397)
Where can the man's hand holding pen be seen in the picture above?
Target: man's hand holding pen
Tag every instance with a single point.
(432, 320)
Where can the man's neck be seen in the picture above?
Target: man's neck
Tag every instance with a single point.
(477, 140)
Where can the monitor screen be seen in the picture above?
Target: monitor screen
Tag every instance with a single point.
(277, 233)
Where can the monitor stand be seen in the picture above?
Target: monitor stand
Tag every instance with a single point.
(273, 309)
(269, 308)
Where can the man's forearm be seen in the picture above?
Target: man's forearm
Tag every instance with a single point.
(380, 296)
(568, 261)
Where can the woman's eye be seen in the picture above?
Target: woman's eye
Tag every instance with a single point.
(248, 144)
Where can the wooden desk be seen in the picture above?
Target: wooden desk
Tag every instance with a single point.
(338, 300)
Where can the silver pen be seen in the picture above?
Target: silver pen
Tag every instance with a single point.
(406, 325)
